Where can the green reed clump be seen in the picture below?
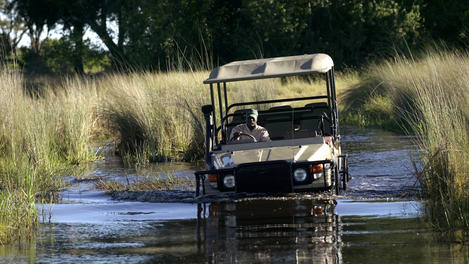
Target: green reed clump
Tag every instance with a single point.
(40, 137)
(155, 114)
(367, 103)
(431, 95)
(156, 182)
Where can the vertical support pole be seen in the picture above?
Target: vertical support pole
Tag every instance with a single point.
(335, 102)
(330, 97)
(214, 134)
(328, 89)
(226, 98)
(221, 111)
(208, 116)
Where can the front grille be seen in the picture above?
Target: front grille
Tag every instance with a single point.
(270, 177)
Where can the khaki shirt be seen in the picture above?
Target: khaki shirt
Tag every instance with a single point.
(258, 132)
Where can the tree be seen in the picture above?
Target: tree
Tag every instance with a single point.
(37, 17)
(74, 16)
(163, 33)
(12, 27)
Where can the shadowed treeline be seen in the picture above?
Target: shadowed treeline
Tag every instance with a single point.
(161, 35)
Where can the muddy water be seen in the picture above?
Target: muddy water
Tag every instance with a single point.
(375, 221)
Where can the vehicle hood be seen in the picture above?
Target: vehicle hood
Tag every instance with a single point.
(310, 152)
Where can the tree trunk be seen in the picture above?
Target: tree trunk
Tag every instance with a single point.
(77, 56)
(118, 58)
(34, 32)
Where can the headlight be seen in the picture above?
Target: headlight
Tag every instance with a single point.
(300, 175)
(317, 176)
(229, 181)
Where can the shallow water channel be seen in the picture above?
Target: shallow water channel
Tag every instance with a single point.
(376, 220)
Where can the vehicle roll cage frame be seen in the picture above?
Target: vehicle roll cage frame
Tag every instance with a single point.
(223, 100)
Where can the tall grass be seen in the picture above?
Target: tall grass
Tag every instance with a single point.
(40, 137)
(430, 96)
(156, 115)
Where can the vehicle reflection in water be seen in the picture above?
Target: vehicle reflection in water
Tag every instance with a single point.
(269, 230)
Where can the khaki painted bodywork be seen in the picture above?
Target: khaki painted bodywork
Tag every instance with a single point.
(310, 149)
(298, 150)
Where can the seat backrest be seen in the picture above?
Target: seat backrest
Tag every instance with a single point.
(278, 122)
(310, 121)
(239, 117)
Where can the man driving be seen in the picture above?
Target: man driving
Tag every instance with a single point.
(249, 131)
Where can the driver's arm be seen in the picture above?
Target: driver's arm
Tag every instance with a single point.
(234, 134)
(264, 136)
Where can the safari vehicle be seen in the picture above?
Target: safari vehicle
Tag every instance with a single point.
(303, 153)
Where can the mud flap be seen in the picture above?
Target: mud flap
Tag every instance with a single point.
(336, 179)
(343, 171)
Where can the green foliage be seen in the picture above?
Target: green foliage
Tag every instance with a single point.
(447, 22)
(59, 60)
(56, 54)
(32, 62)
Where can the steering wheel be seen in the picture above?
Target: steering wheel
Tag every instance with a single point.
(253, 139)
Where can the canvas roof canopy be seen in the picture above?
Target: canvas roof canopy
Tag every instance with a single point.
(271, 67)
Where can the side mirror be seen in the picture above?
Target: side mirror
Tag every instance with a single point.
(207, 109)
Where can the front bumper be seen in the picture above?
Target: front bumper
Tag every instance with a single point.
(270, 177)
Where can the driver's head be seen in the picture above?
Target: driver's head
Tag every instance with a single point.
(251, 118)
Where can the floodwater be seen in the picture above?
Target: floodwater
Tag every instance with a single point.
(377, 220)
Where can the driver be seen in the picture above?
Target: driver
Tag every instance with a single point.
(249, 128)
